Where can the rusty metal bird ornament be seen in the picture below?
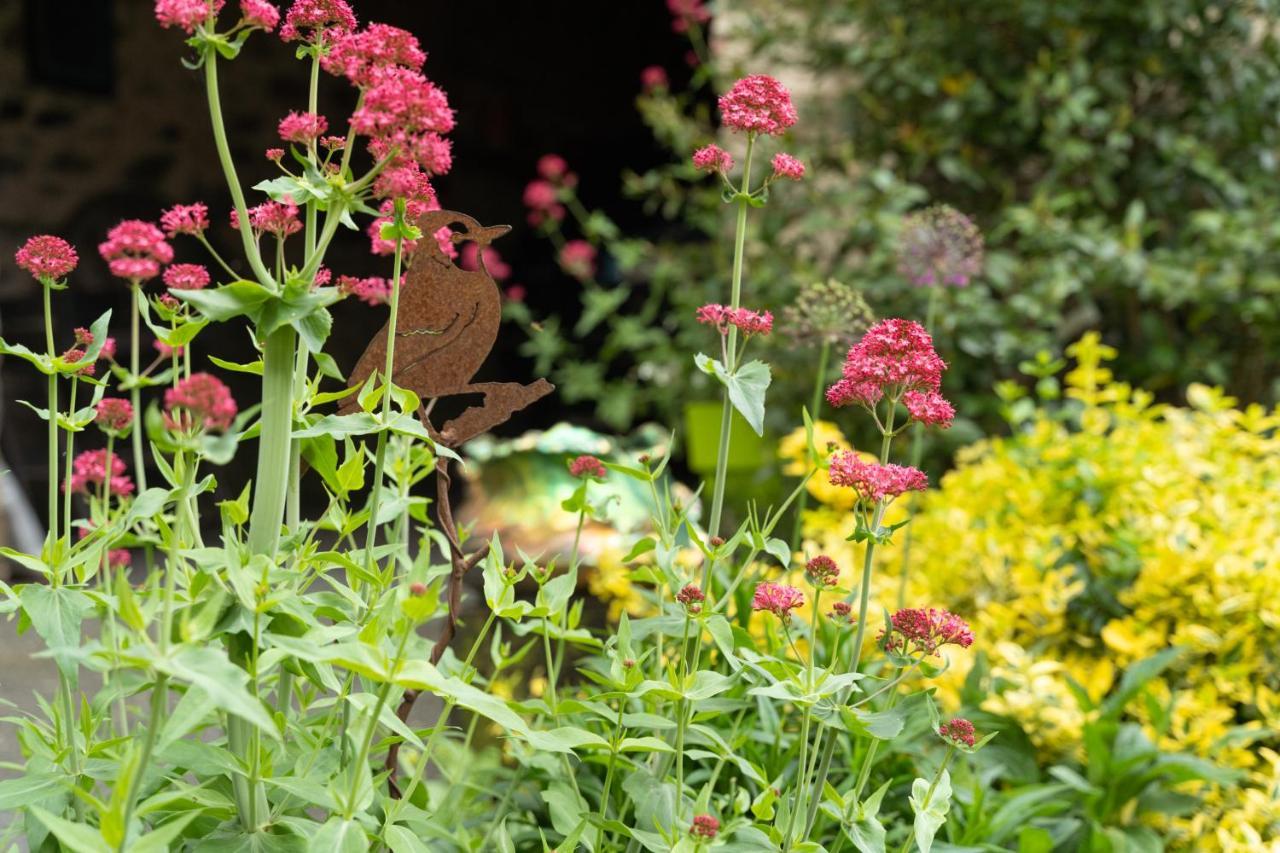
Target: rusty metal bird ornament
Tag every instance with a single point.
(447, 323)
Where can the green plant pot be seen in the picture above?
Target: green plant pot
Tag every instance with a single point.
(702, 431)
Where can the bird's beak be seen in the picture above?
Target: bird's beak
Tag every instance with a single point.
(485, 236)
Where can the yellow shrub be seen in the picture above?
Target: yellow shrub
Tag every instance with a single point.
(1100, 533)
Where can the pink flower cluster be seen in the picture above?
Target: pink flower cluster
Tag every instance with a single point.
(778, 599)
(687, 12)
(191, 219)
(272, 217)
(542, 195)
(893, 357)
(135, 250)
(872, 481)
(691, 596)
(47, 257)
(578, 259)
(758, 104)
(260, 14)
(959, 731)
(822, 571)
(654, 77)
(587, 467)
(84, 340)
(356, 55)
(302, 128)
(372, 290)
(842, 612)
(312, 19)
(473, 257)
(927, 630)
(186, 14)
(201, 401)
(114, 414)
(186, 277)
(89, 468)
(712, 158)
(929, 407)
(745, 320)
(786, 166)
(704, 826)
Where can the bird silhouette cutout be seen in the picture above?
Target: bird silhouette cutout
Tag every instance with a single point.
(447, 322)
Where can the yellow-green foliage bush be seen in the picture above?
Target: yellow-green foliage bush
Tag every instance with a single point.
(1106, 529)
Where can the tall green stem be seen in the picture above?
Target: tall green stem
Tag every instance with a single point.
(135, 393)
(53, 424)
(274, 440)
(815, 411)
(917, 454)
(864, 597)
(66, 479)
(726, 412)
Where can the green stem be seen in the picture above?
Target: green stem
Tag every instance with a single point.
(66, 482)
(613, 760)
(864, 595)
(366, 744)
(815, 411)
(53, 424)
(802, 767)
(928, 797)
(135, 393)
(274, 441)
(726, 412)
(251, 251)
(917, 454)
(158, 695)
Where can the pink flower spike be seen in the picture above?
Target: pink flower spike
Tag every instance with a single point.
(958, 731)
(872, 481)
(186, 277)
(114, 414)
(929, 407)
(587, 467)
(135, 250)
(778, 599)
(893, 357)
(712, 158)
(373, 291)
(201, 401)
(786, 166)
(319, 17)
(47, 257)
(186, 14)
(578, 259)
(402, 100)
(302, 127)
(654, 77)
(89, 468)
(192, 219)
(758, 104)
(260, 14)
(926, 631)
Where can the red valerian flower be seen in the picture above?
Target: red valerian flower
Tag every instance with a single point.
(654, 77)
(192, 219)
(114, 414)
(587, 467)
(872, 481)
(778, 599)
(542, 199)
(74, 356)
(272, 217)
(186, 277)
(927, 630)
(929, 407)
(686, 12)
(165, 350)
(894, 356)
(758, 104)
(786, 166)
(355, 55)
(302, 127)
(472, 256)
(578, 259)
(135, 250)
(84, 340)
(704, 826)
(402, 100)
(691, 596)
(555, 169)
(372, 290)
(744, 319)
(89, 468)
(260, 14)
(327, 17)
(712, 158)
(841, 611)
(47, 256)
(201, 401)
(186, 14)
(958, 731)
(822, 571)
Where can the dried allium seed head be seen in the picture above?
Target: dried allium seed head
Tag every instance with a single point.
(829, 312)
(939, 245)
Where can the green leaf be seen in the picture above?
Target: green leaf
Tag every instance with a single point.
(159, 840)
(208, 668)
(76, 837)
(339, 836)
(230, 300)
(1137, 676)
(28, 790)
(746, 387)
(56, 614)
(931, 815)
(865, 830)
